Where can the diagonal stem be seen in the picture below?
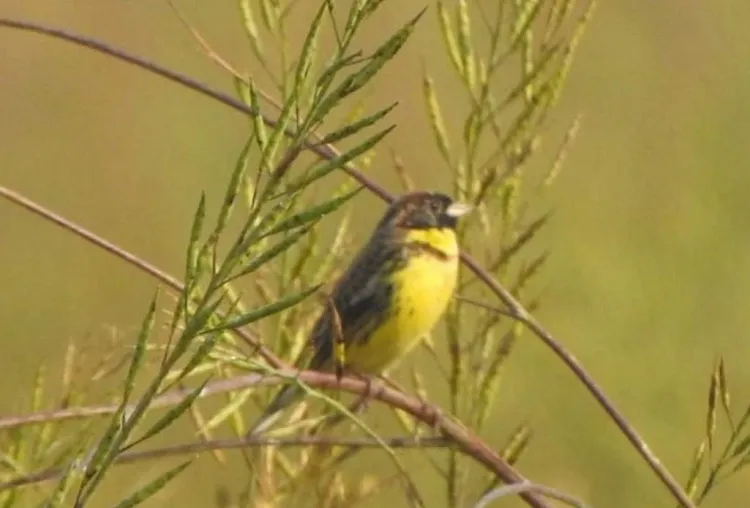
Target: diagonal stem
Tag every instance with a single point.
(328, 152)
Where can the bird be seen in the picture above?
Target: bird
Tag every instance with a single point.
(392, 294)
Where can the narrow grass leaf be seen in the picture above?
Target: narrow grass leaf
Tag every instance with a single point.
(692, 482)
(251, 28)
(724, 393)
(562, 152)
(339, 161)
(523, 238)
(518, 442)
(742, 463)
(194, 327)
(359, 11)
(171, 415)
(742, 447)
(139, 351)
(557, 15)
(523, 21)
(436, 119)
(520, 125)
(259, 127)
(307, 55)
(529, 270)
(270, 14)
(278, 133)
(97, 463)
(329, 73)
(359, 79)
(575, 39)
(59, 495)
(449, 38)
(269, 254)
(152, 487)
(314, 213)
(195, 233)
(233, 189)
(69, 370)
(357, 126)
(266, 310)
(713, 395)
(465, 47)
(37, 392)
(228, 411)
(542, 64)
(490, 382)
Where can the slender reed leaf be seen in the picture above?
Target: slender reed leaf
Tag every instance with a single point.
(312, 214)
(136, 362)
(353, 128)
(266, 310)
(171, 415)
(152, 487)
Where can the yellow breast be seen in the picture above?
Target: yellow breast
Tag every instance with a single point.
(422, 289)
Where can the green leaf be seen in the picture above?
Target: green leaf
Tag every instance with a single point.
(259, 126)
(359, 11)
(307, 54)
(171, 415)
(314, 213)
(357, 80)
(195, 233)
(266, 310)
(436, 119)
(136, 362)
(228, 411)
(692, 482)
(194, 327)
(518, 442)
(713, 395)
(524, 237)
(465, 47)
(152, 487)
(449, 38)
(271, 253)
(357, 126)
(339, 161)
(206, 345)
(233, 189)
(724, 393)
(523, 22)
(556, 16)
(251, 28)
(541, 65)
(97, 463)
(742, 447)
(270, 14)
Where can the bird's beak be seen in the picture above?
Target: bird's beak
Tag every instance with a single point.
(457, 210)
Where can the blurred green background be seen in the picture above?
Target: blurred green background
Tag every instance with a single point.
(649, 278)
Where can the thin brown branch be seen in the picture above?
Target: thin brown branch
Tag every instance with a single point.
(170, 281)
(328, 152)
(231, 444)
(463, 438)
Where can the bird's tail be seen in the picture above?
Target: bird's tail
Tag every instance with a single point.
(282, 399)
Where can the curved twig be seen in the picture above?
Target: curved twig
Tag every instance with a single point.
(229, 444)
(464, 439)
(518, 488)
(328, 152)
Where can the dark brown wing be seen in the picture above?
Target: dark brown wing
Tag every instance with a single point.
(362, 298)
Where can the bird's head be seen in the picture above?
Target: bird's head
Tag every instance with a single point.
(425, 210)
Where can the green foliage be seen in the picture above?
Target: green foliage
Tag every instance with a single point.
(708, 471)
(251, 272)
